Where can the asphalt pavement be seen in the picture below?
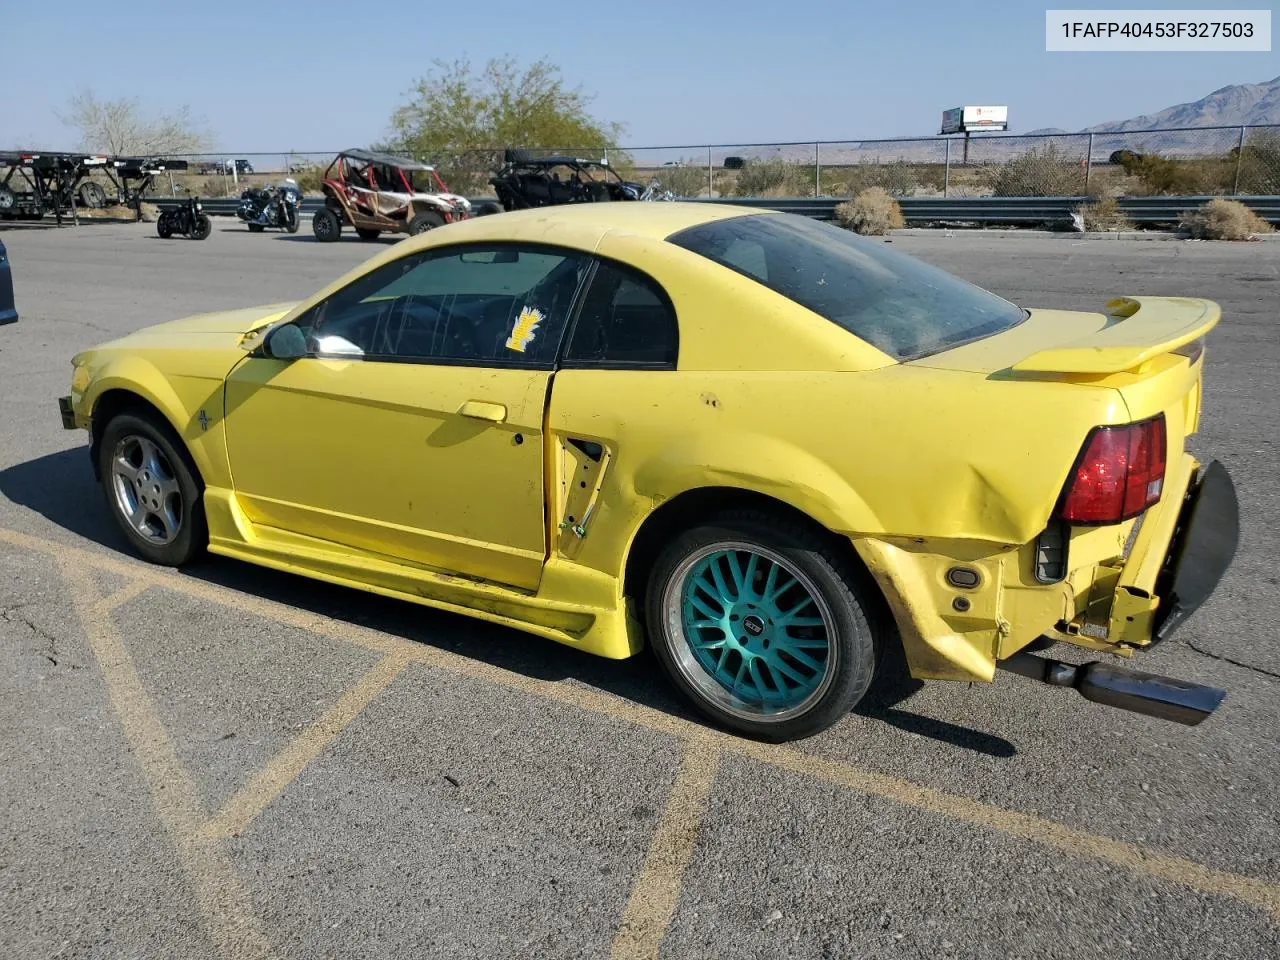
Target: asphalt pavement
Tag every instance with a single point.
(231, 762)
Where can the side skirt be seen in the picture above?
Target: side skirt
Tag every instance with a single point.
(600, 630)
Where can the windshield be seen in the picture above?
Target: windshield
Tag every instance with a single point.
(896, 303)
(422, 181)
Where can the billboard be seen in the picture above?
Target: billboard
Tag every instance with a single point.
(968, 119)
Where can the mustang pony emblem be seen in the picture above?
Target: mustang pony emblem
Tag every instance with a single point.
(523, 332)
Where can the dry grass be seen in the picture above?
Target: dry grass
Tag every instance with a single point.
(873, 213)
(1104, 214)
(117, 211)
(1223, 220)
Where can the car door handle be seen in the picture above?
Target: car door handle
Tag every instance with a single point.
(483, 410)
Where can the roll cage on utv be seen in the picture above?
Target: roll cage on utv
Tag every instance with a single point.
(527, 181)
(379, 193)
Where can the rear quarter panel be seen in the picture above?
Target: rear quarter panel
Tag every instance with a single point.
(895, 452)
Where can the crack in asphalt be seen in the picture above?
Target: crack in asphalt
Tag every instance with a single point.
(78, 322)
(10, 614)
(1262, 671)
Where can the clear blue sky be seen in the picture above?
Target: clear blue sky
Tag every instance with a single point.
(322, 75)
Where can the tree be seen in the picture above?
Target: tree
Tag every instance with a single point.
(460, 119)
(119, 128)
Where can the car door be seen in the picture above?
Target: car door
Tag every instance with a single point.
(414, 427)
(616, 398)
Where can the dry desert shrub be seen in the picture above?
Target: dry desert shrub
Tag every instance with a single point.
(872, 213)
(1223, 220)
(1104, 214)
(1040, 172)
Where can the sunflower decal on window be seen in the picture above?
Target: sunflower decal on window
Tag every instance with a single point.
(525, 329)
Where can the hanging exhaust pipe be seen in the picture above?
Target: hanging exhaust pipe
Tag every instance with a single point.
(1146, 693)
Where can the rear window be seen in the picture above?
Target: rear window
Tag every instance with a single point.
(895, 302)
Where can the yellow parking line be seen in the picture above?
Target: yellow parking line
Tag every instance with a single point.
(225, 910)
(1049, 833)
(654, 894)
(119, 598)
(269, 782)
(1074, 842)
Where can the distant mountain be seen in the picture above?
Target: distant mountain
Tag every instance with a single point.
(1241, 103)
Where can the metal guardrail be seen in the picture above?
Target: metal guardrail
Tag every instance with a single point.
(1012, 211)
(1166, 209)
(996, 211)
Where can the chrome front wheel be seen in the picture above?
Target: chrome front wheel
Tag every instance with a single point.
(146, 489)
(152, 487)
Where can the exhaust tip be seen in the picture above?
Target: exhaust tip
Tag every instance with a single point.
(1152, 695)
(1147, 693)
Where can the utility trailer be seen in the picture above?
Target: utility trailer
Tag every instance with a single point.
(36, 184)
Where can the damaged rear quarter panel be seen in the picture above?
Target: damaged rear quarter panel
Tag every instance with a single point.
(889, 452)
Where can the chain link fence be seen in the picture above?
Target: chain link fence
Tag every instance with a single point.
(1203, 161)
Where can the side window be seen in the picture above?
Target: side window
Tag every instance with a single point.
(500, 305)
(626, 319)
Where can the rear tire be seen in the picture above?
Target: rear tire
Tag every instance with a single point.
(7, 199)
(153, 488)
(163, 228)
(762, 625)
(367, 233)
(256, 228)
(427, 220)
(326, 226)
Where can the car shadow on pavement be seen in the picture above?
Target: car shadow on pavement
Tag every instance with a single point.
(386, 239)
(894, 684)
(61, 487)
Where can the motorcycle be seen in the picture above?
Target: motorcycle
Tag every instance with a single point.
(262, 207)
(188, 219)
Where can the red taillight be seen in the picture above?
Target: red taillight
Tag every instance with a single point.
(1119, 474)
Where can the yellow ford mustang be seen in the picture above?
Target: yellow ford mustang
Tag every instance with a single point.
(766, 445)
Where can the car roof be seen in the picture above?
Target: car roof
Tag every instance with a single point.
(586, 223)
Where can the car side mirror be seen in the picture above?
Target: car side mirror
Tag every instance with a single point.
(285, 343)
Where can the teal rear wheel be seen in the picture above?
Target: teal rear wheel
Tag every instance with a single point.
(756, 629)
(759, 620)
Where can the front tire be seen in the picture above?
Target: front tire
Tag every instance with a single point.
(367, 233)
(762, 625)
(427, 220)
(325, 225)
(152, 489)
(256, 228)
(201, 229)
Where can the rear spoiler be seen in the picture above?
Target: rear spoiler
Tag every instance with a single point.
(1139, 329)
